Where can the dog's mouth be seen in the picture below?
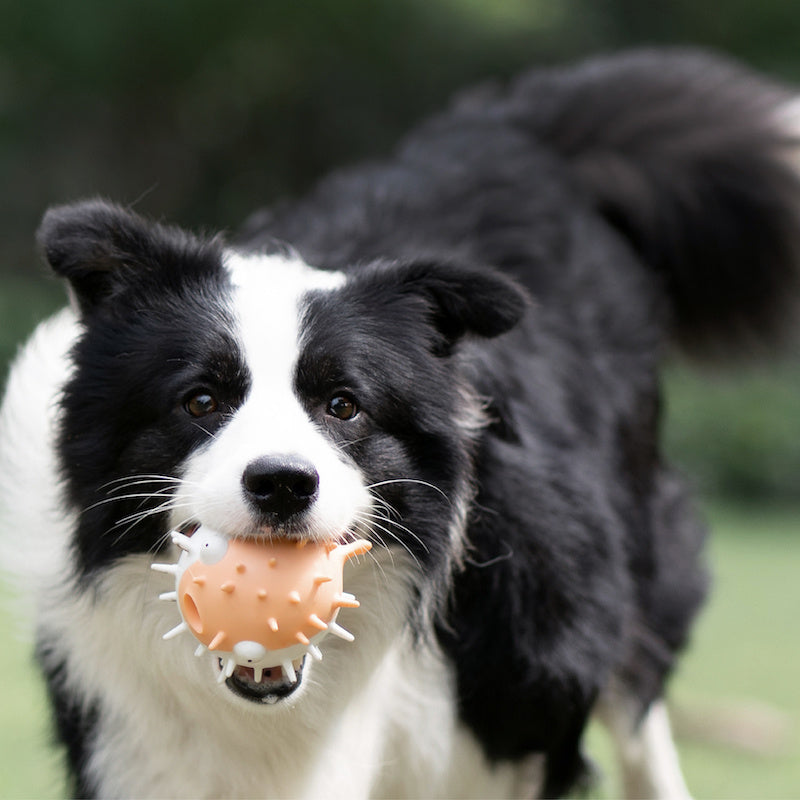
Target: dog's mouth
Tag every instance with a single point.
(270, 687)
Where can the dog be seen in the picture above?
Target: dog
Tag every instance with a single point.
(454, 353)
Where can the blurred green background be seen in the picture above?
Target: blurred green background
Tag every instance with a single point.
(200, 111)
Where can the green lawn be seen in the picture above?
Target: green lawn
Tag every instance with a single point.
(742, 666)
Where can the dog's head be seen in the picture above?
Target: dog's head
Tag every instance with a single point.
(261, 397)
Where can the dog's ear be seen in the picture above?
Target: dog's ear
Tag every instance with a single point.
(100, 248)
(463, 299)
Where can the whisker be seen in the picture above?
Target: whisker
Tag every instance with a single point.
(372, 523)
(144, 478)
(120, 498)
(408, 480)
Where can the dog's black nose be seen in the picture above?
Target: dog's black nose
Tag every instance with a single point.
(280, 486)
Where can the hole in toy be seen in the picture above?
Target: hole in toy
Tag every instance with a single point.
(192, 615)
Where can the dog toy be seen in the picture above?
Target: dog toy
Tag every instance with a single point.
(259, 604)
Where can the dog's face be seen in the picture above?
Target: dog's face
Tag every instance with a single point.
(261, 397)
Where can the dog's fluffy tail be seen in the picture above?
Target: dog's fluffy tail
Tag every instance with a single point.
(695, 160)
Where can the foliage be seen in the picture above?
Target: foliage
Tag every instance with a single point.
(201, 112)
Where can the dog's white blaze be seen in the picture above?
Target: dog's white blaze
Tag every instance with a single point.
(267, 305)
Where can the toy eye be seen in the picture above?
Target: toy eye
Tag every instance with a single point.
(212, 548)
(343, 406)
(201, 404)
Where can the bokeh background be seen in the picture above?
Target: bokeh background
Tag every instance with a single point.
(199, 111)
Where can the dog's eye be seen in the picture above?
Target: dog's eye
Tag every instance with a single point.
(342, 406)
(200, 404)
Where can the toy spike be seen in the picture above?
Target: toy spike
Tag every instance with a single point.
(169, 569)
(168, 596)
(176, 631)
(228, 587)
(217, 640)
(258, 673)
(316, 653)
(317, 622)
(201, 648)
(346, 600)
(338, 630)
(320, 579)
(272, 624)
(356, 548)
(302, 638)
(184, 542)
(294, 597)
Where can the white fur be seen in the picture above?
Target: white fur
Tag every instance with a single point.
(268, 291)
(33, 528)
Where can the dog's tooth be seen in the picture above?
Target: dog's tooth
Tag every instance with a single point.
(230, 667)
(258, 673)
(288, 671)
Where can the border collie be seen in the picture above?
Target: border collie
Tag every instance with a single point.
(453, 353)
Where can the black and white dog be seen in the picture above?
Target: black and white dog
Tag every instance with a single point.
(454, 353)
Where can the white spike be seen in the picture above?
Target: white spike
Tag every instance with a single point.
(183, 541)
(176, 631)
(168, 596)
(288, 671)
(201, 648)
(316, 653)
(338, 630)
(170, 569)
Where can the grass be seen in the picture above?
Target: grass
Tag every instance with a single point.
(740, 677)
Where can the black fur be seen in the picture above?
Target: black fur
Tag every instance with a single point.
(637, 200)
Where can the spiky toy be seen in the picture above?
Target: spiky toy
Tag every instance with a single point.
(259, 604)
